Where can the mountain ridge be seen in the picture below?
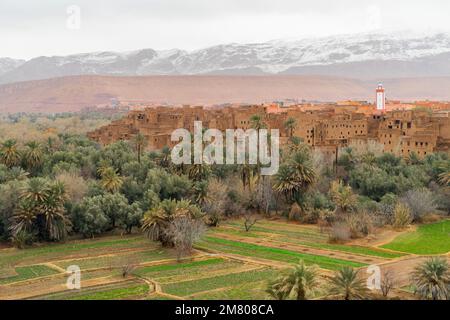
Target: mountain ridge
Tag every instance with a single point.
(364, 56)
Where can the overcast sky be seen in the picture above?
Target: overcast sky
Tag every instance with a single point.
(30, 28)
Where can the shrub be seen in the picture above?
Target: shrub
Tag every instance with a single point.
(296, 212)
(313, 216)
(359, 224)
(387, 204)
(75, 186)
(89, 218)
(442, 196)
(339, 232)
(22, 239)
(402, 216)
(420, 202)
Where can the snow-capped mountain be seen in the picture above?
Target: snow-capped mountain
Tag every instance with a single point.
(8, 64)
(369, 55)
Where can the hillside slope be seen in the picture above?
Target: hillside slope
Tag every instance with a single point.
(75, 93)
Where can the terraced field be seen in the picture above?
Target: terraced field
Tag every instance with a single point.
(296, 242)
(132, 289)
(229, 263)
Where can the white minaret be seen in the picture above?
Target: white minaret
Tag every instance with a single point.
(381, 98)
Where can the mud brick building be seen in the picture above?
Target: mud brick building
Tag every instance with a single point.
(422, 129)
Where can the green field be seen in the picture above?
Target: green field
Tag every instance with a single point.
(26, 273)
(246, 291)
(427, 239)
(114, 294)
(146, 255)
(276, 254)
(303, 236)
(230, 263)
(122, 290)
(186, 288)
(81, 249)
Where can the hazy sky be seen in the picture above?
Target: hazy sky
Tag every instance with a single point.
(30, 28)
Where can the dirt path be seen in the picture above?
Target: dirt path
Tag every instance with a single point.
(54, 267)
(385, 236)
(402, 268)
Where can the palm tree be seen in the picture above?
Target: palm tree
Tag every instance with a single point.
(201, 192)
(246, 174)
(42, 205)
(53, 212)
(111, 181)
(296, 145)
(368, 158)
(33, 155)
(275, 289)
(256, 122)
(164, 157)
(17, 173)
(50, 145)
(432, 279)
(9, 153)
(304, 168)
(298, 283)
(140, 142)
(444, 176)
(156, 221)
(290, 125)
(347, 284)
(23, 218)
(36, 191)
(295, 177)
(343, 196)
(198, 172)
(103, 166)
(285, 182)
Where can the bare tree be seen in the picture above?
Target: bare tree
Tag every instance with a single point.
(184, 232)
(387, 283)
(263, 196)
(128, 265)
(421, 202)
(249, 221)
(214, 206)
(127, 269)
